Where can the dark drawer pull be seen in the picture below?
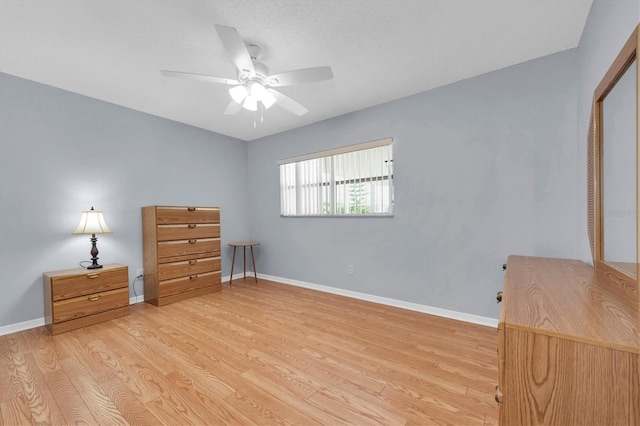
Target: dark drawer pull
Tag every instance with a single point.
(192, 241)
(193, 277)
(192, 225)
(191, 209)
(499, 297)
(193, 262)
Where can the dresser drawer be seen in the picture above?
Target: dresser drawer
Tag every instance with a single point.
(173, 251)
(167, 271)
(78, 307)
(188, 232)
(178, 215)
(91, 282)
(193, 282)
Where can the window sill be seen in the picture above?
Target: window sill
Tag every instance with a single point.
(345, 216)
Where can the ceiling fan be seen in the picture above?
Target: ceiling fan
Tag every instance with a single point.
(254, 85)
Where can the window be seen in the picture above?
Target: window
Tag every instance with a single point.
(356, 180)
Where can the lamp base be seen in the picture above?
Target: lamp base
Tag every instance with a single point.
(94, 253)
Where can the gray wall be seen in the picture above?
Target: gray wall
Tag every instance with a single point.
(609, 25)
(61, 153)
(484, 168)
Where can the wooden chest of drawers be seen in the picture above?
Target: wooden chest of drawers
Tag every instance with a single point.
(568, 346)
(76, 298)
(181, 252)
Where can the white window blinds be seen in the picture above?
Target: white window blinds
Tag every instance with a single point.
(351, 181)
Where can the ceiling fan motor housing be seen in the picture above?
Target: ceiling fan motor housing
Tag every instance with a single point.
(253, 50)
(262, 72)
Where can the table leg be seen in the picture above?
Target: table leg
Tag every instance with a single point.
(233, 260)
(255, 273)
(244, 260)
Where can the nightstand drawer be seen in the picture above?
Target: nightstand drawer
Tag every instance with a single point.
(177, 215)
(173, 251)
(192, 282)
(188, 232)
(91, 282)
(167, 271)
(78, 307)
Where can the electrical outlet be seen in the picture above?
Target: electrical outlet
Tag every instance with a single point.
(140, 272)
(349, 269)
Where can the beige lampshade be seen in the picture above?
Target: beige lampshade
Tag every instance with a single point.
(92, 222)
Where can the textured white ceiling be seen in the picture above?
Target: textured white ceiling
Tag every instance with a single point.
(379, 50)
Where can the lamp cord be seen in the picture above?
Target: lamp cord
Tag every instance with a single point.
(133, 285)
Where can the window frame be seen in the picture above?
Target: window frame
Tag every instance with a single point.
(332, 183)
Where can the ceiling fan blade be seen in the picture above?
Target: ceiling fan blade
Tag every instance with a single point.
(287, 103)
(305, 75)
(236, 48)
(233, 108)
(199, 77)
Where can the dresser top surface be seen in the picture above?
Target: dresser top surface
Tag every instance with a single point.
(81, 271)
(564, 297)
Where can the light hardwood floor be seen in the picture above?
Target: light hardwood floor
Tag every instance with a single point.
(263, 353)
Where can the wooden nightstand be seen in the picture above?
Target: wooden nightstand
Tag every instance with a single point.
(76, 298)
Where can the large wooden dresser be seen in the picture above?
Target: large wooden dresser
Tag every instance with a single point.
(569, 345)
(181, 252)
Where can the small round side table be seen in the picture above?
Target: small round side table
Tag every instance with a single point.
(244, 249)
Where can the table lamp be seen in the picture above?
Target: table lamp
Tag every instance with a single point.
(92, 222)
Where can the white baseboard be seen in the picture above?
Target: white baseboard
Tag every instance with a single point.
(21, 326)
(239, 276)
(460, 316)
(136, 299)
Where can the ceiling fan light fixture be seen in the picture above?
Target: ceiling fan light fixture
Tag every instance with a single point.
(250, 103)
(257, 91)
(268, 99)
(238, 93)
